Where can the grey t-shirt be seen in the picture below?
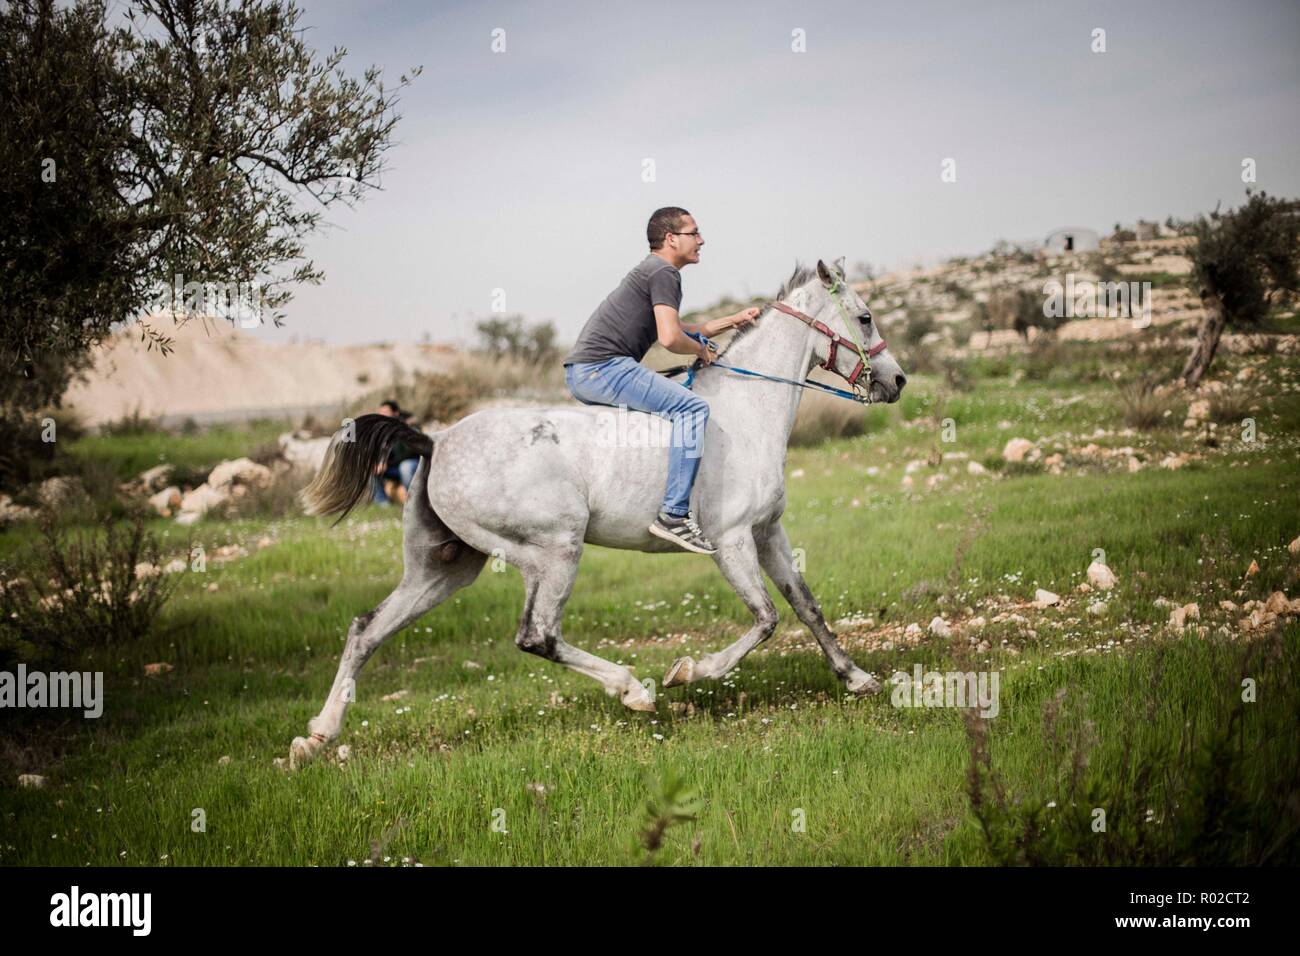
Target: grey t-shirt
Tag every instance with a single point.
(624, 324)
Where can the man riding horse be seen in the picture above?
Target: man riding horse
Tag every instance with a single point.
(605, 367)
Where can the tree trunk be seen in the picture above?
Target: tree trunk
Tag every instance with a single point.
(1207, 338)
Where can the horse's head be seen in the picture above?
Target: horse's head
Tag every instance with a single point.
(842, 310)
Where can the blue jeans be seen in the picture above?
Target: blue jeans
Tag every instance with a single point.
(626, 382)
(403, 471)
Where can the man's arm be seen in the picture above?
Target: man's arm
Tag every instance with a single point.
(672, 330)
(672, 334)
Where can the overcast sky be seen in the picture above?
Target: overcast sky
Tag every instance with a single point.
(522, 170)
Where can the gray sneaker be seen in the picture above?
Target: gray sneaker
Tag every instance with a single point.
(683, 532)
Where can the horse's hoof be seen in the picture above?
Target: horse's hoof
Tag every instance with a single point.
(680, 673)
(863, 685)
(302, 751)
(638, 698)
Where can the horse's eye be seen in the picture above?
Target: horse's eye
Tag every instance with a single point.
(865, 317)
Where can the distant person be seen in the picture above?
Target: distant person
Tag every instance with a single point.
(401, 464)
(605, 367)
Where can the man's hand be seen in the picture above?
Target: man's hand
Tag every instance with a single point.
(706, 355)
(745, 317)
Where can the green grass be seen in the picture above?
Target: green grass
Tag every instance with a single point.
(132, 453)
(876, 784)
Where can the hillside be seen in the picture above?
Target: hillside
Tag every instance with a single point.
(962, 307)
(217, 373)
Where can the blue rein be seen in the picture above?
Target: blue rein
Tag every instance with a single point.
(837, 392)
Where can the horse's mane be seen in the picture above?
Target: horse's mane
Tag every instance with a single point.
(798, 277)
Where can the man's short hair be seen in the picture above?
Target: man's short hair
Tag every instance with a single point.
(391, 403)
(664, 221)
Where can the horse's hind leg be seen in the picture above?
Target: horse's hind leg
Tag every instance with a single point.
(774, 553)
(548, 580)
(436, 566)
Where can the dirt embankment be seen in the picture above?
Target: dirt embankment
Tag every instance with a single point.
(216, 373)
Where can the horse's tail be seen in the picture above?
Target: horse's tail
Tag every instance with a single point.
(350, 460)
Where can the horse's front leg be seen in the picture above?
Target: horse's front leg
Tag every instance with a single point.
(777, 561)
(737, 558)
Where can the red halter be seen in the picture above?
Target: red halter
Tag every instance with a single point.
(836, 341)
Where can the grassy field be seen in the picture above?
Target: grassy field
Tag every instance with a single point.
(496, 757)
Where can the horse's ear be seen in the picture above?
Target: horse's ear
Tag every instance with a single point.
(824, 273)
(839, 267)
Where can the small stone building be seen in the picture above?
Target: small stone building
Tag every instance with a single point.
(1071, 239)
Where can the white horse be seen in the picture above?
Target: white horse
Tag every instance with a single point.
(533, 485)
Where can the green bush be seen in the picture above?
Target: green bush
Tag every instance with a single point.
(81, 591)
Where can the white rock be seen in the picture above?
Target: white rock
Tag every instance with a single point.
(152, 479)
(912, 630)
(1016, 449)
(243, 471)
(1045, 598)
(1179, 616)
(12, 512)
(145, 569)
(940, 628)
(976, 623)
(199, 502)
(975, 468)
(306, 454)
(164, 501)
(1101, 576)
(61, 491)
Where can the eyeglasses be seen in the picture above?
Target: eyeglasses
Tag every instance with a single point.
(696, 233)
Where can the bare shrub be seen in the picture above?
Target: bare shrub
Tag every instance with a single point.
(1229, 407)
(823, 417)
(1144, 406)
(81, 591)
